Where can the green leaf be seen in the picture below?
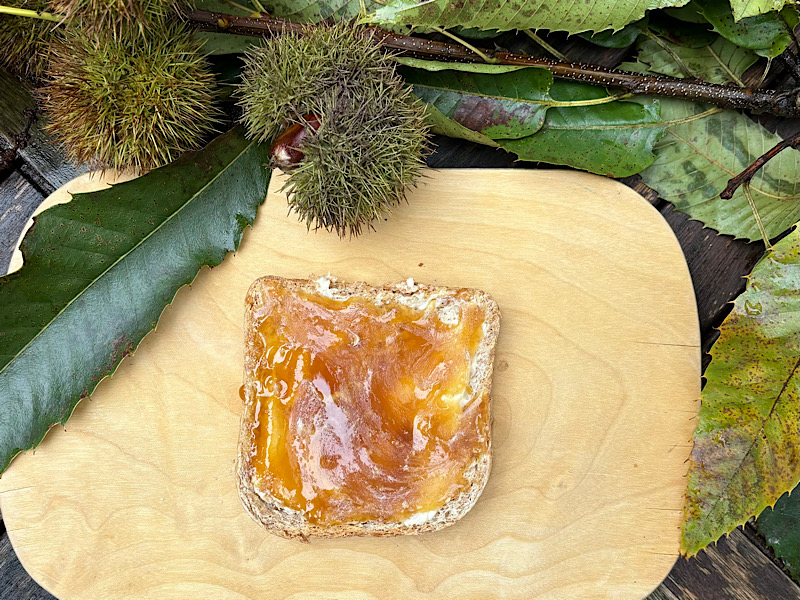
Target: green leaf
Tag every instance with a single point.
(690, 35)
(99, 271)
(780, 528)
(750, 8)
(559, 122)
(690, 13)
(719, 62)
(791, 15)
(699, 154)
(504, 15)
(225, 7)
(314, 11)
(473, 33)
(617, 39)
(215, 44)
(766, 35)
(745, 451)
(614, 139)
(507, 105)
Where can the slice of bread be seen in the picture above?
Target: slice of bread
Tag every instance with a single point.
(313, 460)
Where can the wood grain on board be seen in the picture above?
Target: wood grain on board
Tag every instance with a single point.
(597, 378)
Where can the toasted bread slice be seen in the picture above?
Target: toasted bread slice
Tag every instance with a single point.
(366, 409)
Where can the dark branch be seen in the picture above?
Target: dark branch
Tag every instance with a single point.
(746, 175)
(20, 142)
(791, 63)
(757, 101)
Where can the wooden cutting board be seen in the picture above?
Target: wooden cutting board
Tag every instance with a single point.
(596, 383)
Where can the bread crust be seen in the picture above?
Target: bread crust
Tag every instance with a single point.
(282, 520)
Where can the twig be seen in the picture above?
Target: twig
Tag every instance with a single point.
(747, 175)
(20, 142)
(757, 101)
(791, 64)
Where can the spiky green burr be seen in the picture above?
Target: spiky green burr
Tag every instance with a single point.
(128, 99)
(25, 41)
(372, 137)
(97, 15)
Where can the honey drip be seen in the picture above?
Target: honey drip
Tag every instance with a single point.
(364, 412)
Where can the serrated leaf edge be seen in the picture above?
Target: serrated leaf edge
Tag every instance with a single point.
(687, 553)
(114, 264)
(236, 243)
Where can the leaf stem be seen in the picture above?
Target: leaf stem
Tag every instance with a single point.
(545, 45)
(727, 69)
(466, 44)
(751, 202)
(31, 14)
(564, 103)
(746, 176)
(593, 102)
(673, 55)
(702, 115)
(757, 101)
(764, 74)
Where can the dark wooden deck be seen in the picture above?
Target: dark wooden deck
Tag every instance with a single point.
(739, 567)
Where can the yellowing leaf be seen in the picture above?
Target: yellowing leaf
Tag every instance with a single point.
(745, 451)
(718, 62)
(702, 150)
(750, 8)
(765, 34)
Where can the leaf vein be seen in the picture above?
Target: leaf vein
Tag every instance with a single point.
(125, 254)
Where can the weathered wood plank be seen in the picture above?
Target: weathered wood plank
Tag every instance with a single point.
(47, 164)
(15, 583)
(662, 592)
(451, 153)
(732, 569)
(18, 200)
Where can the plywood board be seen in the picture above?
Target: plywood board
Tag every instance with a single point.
(596, 385)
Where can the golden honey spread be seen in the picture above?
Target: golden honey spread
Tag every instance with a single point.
(364, 411)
